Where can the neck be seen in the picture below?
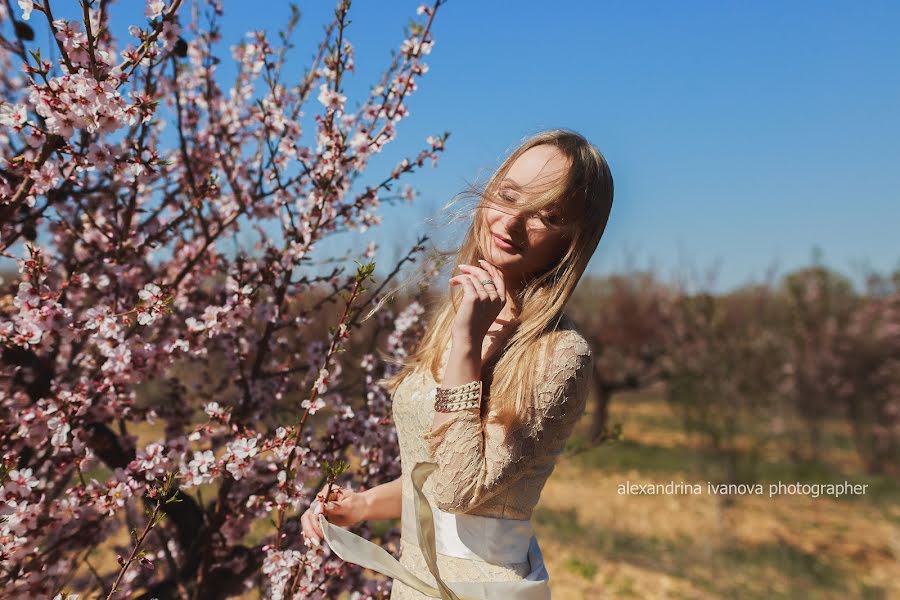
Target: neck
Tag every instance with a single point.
(511, 309)
(514, 284)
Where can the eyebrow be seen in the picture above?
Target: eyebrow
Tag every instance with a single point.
(511, 183)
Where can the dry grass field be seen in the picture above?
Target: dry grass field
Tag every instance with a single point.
(602, 544)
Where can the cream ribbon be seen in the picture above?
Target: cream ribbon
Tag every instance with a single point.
(358, 550)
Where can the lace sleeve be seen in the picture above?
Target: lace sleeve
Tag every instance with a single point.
(477, 460)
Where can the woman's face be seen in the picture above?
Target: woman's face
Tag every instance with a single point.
(535, 243)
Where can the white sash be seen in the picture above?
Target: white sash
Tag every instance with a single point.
(493, 540)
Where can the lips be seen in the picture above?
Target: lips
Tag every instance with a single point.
(506, 240)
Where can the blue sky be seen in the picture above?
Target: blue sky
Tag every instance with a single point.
(740, 135)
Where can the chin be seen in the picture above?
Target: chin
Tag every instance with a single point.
(495, 255)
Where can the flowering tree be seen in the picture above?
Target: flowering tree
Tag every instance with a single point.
(150, 381)
(775, 364)
(846, 360)
(630, 319)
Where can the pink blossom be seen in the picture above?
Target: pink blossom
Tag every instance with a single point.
(154, 8)
(27, 6)
(98, 318)
(214, 410)
(13, 115)
(116, 496)
(19, 483)
(322, 381)
(21, 517)
(201, 468)
(244, 448)
(330, 99)
(152, 303)
(152, 461)
(313, 406)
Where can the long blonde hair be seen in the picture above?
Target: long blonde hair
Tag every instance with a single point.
(581, 202)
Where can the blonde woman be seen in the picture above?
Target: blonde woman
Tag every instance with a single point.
(487, 401)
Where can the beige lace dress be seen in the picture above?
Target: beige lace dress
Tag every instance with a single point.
(482, 470)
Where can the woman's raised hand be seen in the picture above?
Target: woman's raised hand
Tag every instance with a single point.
(481, 303)
(345, 508)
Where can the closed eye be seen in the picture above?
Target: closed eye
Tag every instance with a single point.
(550, 219)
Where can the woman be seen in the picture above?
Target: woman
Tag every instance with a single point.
(486, 403)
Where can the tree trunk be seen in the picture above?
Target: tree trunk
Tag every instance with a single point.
(600, 419)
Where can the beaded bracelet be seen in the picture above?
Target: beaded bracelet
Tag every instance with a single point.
(460, 397)
(452, 407)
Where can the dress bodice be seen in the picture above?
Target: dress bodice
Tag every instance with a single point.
(484, 469)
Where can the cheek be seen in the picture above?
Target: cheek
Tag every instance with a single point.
(548, 247)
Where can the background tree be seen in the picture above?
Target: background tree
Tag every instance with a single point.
(627, 318)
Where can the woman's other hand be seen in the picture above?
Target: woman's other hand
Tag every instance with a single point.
(481, 303)
(345, 509)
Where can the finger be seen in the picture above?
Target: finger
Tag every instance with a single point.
(312, 517)
(308, 529)
(321, 495)
(482, 275)
(303, 527)
(317, 528)
(479, 287)
(337, 492)
(475, 280)
(479, 271)
(311, 530)
(338, 520)
(468, 287)
(497, 276)
(495, 288)
(334, 508)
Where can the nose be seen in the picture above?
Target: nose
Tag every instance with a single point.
(512, 225)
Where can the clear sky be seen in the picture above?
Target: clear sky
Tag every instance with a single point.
(740, 134)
